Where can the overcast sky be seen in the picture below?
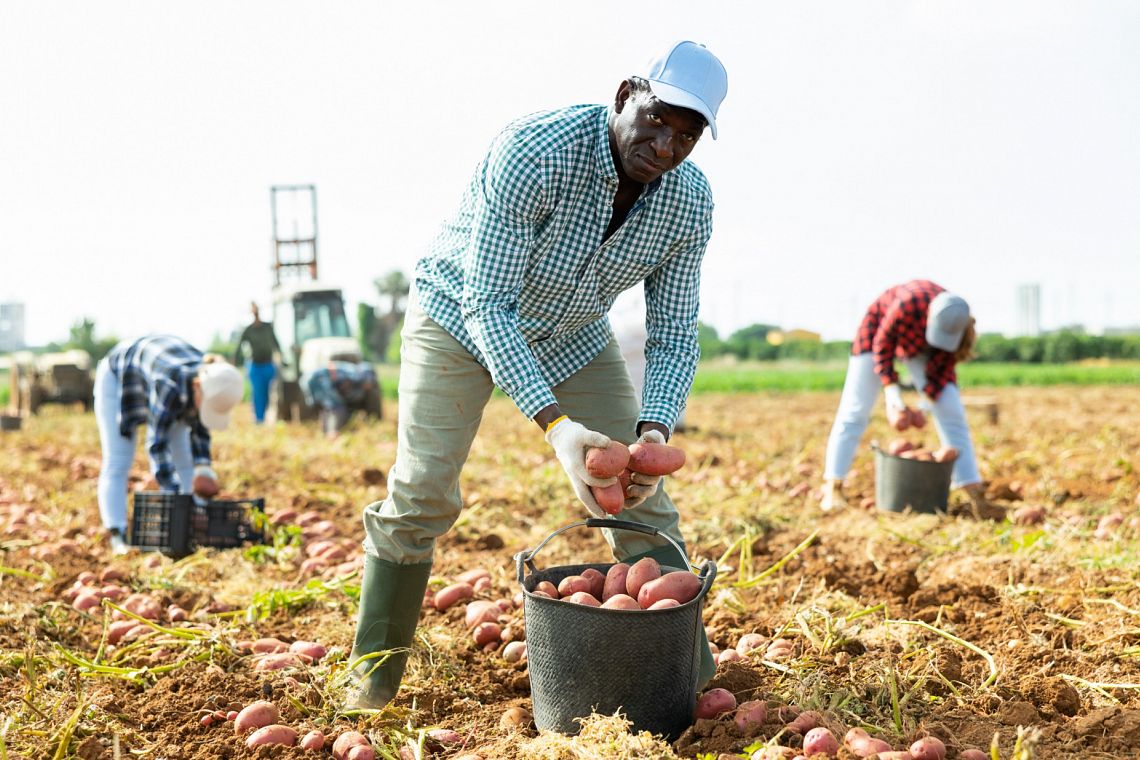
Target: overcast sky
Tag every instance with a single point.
(980, 144)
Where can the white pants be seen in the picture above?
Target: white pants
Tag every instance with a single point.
(861, 389)
(119, 451)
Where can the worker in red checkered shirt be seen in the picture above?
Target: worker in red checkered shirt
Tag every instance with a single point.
(929, 330)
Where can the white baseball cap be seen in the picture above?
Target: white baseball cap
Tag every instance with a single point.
(689, 76)
(222, 389)
(946, 321)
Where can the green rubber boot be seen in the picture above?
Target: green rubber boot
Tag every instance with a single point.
(667, 555)
(390, 599)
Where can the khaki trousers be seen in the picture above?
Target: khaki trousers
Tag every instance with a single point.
(443, 391)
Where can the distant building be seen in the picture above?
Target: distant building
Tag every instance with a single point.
(11, 327)
(1029, 309)
(776, 337)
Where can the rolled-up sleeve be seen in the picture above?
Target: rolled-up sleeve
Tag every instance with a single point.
(885, 344)
(672, 304)
(508, 207)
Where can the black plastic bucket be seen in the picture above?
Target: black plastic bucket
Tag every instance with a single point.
(902, 484)
(583, 660)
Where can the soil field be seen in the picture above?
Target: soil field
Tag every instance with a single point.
(1018, 628)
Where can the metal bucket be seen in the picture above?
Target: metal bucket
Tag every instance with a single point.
(583, 660)
(902, 484)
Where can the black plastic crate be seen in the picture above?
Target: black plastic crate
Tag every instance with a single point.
(174, 525)
(233, 523)
(160, 522)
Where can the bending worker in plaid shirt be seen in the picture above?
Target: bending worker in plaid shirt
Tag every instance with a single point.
(168, 385)
(930, 330)
(567, 209)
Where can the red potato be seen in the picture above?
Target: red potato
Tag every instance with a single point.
(610, 498)
(275, 734)
(805, 722)
(481, 585)
(607, 462)
(863, 744)
(572, 584)
(715, 702)
(548, 588)
(446, 736)
(641, 572)
(750, 716)
(680, 586)
(256, 715)
(119, 628)
(750, 641)
(917, 418)
(347, 741)
(615, 580)
(898, 446)
(515, 651)
(544, 595)
(655, 458)
(584, 598)
(972, 754)
(450, 595)
(928, 748)
(471, 576)
(506, 605)
(621, 602)
(203, 486)
(485, 633)
(279, 661)
(314, 741)
(269, 645)
(143, 606)
(818, 740)
(773, 753)
(310, 649)
(597, 581)
(945, 454)
(176, 614)
(87, 600)
(663, 604)
(481, 611)
(361, 752)
(728, 655)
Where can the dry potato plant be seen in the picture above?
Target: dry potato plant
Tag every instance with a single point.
(1015, 632)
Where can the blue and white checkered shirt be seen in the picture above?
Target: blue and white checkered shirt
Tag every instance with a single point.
(520, 275)
(156, 373)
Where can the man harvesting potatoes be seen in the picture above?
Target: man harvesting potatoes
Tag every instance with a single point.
(567, 209)
(180, 395)
(929, 330)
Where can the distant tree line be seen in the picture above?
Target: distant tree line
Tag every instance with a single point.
(751, 343)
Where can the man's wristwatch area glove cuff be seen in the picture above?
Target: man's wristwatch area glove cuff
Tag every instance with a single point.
(893, 395)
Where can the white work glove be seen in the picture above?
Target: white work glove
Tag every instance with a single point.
(570, 441)
(897, 413)
(205, 482)
(641, 487)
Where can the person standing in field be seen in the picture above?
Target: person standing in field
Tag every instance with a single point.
(262, 342)
(180, 394)
(929, 330)
(567, 209)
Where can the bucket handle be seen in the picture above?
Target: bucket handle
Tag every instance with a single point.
(526, 557)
